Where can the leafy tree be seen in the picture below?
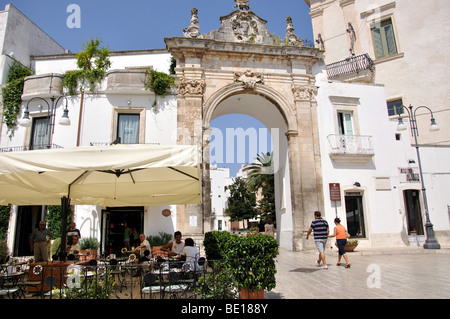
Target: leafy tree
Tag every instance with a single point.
(242, 202)
(93, 62)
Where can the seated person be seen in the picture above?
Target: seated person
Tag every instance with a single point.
(144, 246)
(73, 249)
(175, 247)
(190, 253)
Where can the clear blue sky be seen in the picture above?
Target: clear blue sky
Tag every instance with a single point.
(143, 24)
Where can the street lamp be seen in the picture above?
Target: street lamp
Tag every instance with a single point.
(26, 121)
(430, 241)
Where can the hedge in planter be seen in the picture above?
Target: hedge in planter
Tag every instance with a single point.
(251, 260)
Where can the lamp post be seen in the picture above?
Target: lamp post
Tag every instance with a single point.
(64, 120)
(430, 241)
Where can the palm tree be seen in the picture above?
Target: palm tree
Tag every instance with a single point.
(257, 170)
(261, 177)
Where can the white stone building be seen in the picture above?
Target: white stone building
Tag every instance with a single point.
(328, 132)
(403, 47)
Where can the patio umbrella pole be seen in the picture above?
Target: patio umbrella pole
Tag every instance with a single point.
(65, 203)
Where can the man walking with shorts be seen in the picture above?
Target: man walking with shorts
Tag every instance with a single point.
(321, 230)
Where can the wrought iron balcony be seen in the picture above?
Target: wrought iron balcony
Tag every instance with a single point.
(29, 148)
(355, 68)
(351, 148)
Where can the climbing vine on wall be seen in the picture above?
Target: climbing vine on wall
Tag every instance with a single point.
(158, 82)
(12, 94)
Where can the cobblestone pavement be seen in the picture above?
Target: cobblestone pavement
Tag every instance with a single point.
(403, 273)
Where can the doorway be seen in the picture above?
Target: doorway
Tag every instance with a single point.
(355, 215)
(113, 227)
(28, 218)
(413, 215)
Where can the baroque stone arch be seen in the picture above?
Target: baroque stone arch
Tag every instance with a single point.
(285, 109)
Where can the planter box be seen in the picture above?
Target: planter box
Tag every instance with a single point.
(350, 247)
(244, 293)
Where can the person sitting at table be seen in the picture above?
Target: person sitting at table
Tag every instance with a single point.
(190, 253)
(72, 233)
(144, 246)
(73, 249)
(174, 247)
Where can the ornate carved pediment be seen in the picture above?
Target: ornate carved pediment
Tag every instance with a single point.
(244, 27)
(249, 79)
(304, 92)
(191, 86)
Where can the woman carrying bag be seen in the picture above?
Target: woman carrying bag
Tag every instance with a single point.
(341, 239)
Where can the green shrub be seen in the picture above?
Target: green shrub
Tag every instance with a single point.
(159, 240)
(89, 243)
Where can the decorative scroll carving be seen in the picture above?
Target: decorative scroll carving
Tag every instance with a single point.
(242, 5)
(291, 37)
(249, 79)
(193, 31)
(306, 92)
(191, 87)
(244, 27)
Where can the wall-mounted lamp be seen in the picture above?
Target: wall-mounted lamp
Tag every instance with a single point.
(129, 102)
(356, 184)
(26, 121)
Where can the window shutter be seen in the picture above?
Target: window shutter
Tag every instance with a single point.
(377, 42)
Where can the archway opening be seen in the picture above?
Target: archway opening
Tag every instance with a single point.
(243, 126)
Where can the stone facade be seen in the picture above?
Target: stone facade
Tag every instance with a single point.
(243, 58)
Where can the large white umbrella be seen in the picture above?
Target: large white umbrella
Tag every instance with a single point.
(117, 175)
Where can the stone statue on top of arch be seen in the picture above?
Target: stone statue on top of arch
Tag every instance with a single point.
(241, 5)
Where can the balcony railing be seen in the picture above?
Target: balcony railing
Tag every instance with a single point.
(352, 67)
(29, 148)
(351, 148)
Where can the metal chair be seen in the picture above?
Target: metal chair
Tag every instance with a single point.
(151, 285)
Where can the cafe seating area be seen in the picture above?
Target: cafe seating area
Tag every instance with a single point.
(121, 276)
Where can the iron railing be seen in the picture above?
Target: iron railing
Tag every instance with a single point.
(105, 279)
(351, 65)
(29, 148)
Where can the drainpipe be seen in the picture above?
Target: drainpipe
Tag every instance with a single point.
(79, 117)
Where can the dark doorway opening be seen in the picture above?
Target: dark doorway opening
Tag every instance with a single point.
(113, 227)
(355, 216)
(28, 218)
(413, 211)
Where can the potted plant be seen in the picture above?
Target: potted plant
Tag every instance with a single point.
(89, 247)
(351, 245)
(251, 260)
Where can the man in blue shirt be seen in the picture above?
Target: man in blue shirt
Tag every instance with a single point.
(321, 230)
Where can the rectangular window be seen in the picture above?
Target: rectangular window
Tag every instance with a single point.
(40, 135)
(395, 107)
(345, 124)
(128, 128)
(383, 38)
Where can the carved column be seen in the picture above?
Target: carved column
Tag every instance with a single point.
(308, 161)
(191, 219)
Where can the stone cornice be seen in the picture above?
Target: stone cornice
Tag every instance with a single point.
(207, 46)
